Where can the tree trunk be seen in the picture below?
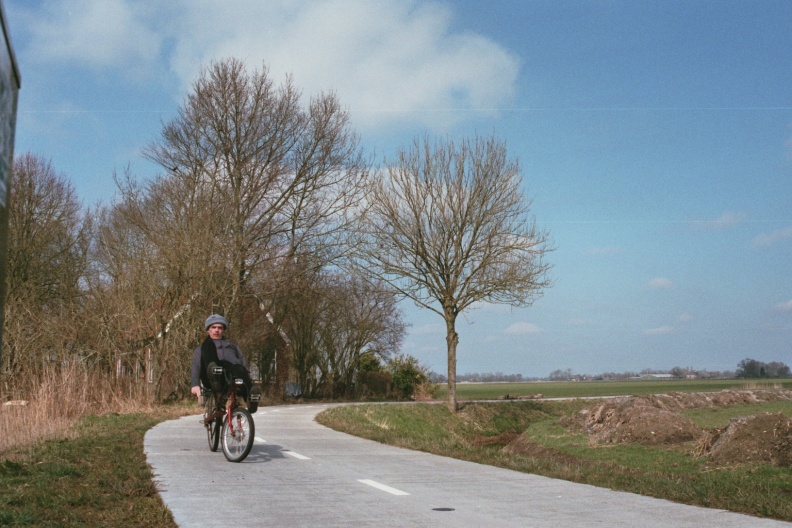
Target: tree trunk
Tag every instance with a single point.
(452, 339)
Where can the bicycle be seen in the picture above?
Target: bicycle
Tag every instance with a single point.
(226, 423)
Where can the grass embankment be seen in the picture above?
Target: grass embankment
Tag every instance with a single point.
(95, 476)
(480, 431)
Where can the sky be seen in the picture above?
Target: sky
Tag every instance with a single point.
(654, 137)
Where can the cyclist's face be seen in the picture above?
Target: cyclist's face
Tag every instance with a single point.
(216, 331)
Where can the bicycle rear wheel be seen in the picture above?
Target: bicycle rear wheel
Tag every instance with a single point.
(213, 433)
(237, 437)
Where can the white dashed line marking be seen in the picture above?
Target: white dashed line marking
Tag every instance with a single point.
(383, 487)
(298, 456)
(260, 440)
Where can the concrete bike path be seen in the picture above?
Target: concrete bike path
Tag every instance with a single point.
(300, 473)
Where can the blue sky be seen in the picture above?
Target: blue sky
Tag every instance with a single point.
(655, 140)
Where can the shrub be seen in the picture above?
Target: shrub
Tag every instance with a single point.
(406, 374)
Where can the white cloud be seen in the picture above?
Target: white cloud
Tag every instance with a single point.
(660, 283)
(685, 318)
(97, 33)
(727, 219)
(388, 60)
(523, 328)
(661, 330)
(768, 239)
(784, 306)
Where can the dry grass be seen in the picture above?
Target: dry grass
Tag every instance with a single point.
(46, 407)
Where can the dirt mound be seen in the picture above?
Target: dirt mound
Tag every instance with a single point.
(657, 420)
(766, 438)
(724, 398)
(646, 420)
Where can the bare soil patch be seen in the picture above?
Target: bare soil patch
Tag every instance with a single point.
(656, 420)
(766, 438)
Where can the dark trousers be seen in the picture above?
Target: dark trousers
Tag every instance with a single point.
(231, 371)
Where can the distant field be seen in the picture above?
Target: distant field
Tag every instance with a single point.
(582, 389)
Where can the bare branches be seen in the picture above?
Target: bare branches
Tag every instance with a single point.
(280, 177)
(47, 244)
(252, 181)
(447, 226)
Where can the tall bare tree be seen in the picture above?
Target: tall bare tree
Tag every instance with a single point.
(447, 226)
(252, 181)
(153, 264)
(47, 244)
(280, 174)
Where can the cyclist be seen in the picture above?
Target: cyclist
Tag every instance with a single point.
(216, 350)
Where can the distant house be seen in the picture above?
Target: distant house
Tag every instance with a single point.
(657, 376)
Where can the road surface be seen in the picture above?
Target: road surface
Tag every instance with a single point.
(302, 474)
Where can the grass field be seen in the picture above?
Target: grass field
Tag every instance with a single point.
(588, 389)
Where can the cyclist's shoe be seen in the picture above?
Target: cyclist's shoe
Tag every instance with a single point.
(255, 398)
(214, 379)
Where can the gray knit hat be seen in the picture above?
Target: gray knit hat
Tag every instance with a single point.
(214, 319)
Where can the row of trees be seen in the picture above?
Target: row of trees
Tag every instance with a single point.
(265, 210)
(752, 368)
(747, 368)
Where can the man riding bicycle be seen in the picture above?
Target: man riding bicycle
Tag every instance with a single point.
(216, 351)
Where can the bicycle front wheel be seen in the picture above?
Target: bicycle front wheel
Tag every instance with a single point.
(213, 434)
(237, 435)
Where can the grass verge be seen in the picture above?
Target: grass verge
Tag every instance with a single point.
(95, 476)
(481, 431)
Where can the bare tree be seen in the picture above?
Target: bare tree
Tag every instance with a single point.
(47, 244)
(280, 175)
(447, 226)
(252, 180)
(358, 317)
(277, 179)
(153, 267)
(333, 320)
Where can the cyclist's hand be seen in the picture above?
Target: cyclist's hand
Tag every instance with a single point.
(196, 390)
